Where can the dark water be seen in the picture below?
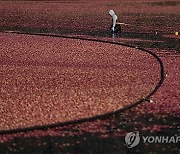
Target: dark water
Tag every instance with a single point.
(139, 39)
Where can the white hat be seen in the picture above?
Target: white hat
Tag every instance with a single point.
(111, 12)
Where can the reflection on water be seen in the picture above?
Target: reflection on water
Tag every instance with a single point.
(144, 40)
(149, 40)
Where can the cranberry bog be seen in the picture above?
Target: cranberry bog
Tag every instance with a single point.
(69, 86)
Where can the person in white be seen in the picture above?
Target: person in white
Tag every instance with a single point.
(114, 27)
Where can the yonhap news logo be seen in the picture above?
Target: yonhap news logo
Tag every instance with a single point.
(132, 139)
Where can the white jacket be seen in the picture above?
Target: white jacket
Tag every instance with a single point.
(114, 18)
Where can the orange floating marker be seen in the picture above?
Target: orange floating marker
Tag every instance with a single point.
(176, 33)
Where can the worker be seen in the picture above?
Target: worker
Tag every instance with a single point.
(114, 27)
